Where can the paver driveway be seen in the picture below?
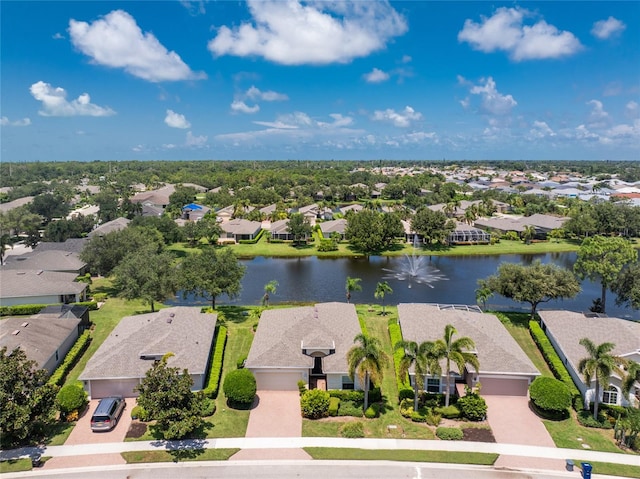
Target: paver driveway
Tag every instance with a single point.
(513, 422)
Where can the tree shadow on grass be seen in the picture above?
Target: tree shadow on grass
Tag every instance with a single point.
(235, 314)
(182, 449)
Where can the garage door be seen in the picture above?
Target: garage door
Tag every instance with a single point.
(114, 387)
(278, 381)
(504, 387)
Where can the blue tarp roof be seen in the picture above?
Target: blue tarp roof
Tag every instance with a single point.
(192, 206)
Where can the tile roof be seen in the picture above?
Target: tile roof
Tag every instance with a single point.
(498, 352)
(188, 335)
(281, 333)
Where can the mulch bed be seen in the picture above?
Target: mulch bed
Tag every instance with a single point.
(478, 435)
(136, 430)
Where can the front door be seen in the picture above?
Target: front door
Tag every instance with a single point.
(317, 366)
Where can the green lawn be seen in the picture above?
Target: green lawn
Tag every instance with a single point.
(16, 465)
(610, 469)
(328, 453)
(571, 435)
(133, 457)
(264, 248)
(518, 326)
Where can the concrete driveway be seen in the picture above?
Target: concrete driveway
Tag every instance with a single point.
(513, 422)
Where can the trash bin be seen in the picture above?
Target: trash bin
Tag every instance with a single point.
(586, 470)
(570, 464)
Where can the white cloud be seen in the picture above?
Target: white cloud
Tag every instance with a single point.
(194, 8)
(604, 29)
(540, 129)
(255, 93)
(583, 133)
(624, 131)
(598, 117)
(117, 41)
(58, 36)
(54, 102)
(339, 120)
(406, 59)
(493, 102)
(376, 76)
(176, 120)
(195, 141)
(319, 33)
(401, 119)
(242, 107)
(631, 109)
(505, 31)
(4, 121)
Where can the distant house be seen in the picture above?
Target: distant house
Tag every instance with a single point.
(543, 224)
(39, 287)
(565, 329)
(466, 234)
(308, 343)
(159, 197)
(66, 311)
(354, 208)
(194, 212)
(72, 245)
(280, 230)
(240, 229)
(10, 205)
(133, 346)
(44, 340)
(109, 227)
(225, 214)
(151, 210)
(47, 260)
(339, 226)
(504, 368)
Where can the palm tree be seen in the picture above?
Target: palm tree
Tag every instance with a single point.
(382, 289)
(632, 377)
(352, 284)
(599, 365)
(425, 363)
(269, 288)
(528, 233)
(458, 351)
(367, 360)
(483, 293)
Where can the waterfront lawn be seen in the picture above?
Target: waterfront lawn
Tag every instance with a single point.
(518, 326)
(133, 457)
(328, 453)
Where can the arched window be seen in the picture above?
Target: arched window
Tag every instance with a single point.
(610, 395)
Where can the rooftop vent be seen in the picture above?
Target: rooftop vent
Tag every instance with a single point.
(151, 356)
(16, 332)
(25, 324)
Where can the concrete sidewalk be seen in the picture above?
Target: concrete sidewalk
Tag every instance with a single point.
(299, 442)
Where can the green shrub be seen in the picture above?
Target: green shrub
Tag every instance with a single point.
(327, 245)
(375, 395)
(417, 416)
(90, 305)
(254, 240)
(349, 408)
(100, 297)
(79, 347)
(21, 309)
(473, 407)
(372, 411)
(449, 412)
(406, 393)
(450, 433)
(352, 430)
(208, 406)
(433, 418)
(315, 404)
(71, 397)
(215, 365)
(551, 357)
(240, 387)
(406, 407)
(302, 387)
(240, 362)
(551, 396)
(435, 399)
(585, 417)
(139, 413)
(334, 405)
(348, 395)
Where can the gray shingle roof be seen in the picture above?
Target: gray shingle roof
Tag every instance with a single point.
(72, 245)
(27, 283)
(337, 226)
(497, 351)
(281, 333)
(569, 327)
(47, 260)
(110, 226)
(39, 339)
(188, 336)
(241, 227)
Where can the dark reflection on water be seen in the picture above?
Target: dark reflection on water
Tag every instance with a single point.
(313, 279)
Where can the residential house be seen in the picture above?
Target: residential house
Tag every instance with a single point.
(466, 234)
(355, 208)
(158, 197)
(66, 311)
(565, 329)
(307, 343)
(339, 226)
(280, 230)
(44, 340)
(137, 342)
(47, 260)
(72, 245)
(10, 205)
(109, 227)
(194, 212)
(239, 229)
(39, 287)
(504, 368)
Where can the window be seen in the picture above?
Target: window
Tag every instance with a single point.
(433, 385)
(347, 383)
(610, 395)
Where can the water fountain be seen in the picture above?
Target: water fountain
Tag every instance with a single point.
(415, 269)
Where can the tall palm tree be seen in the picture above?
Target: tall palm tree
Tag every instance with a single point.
(425, 363)
(599, 365)
(269, 288)
(382, 289)
(367, 360)
(458, 352)
(352, 284)
(528, 233)
(632, 377)
(483, 293)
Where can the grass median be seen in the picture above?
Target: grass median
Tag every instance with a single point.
(330, 453)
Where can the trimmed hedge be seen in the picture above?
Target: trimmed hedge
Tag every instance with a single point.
(372, 411)
(30, 309)
(240, 387)
(395, 334)
(449, 412)
(254, 240)
(450, 433)
(334, 405)
(551, 396)
(315, 404)
(71, 397)
(551, 357)
(215, 366)
(350, 408)
(79, 347)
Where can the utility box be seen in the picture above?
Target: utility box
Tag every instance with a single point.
(586, 470)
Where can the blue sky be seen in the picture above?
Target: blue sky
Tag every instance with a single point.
(267, 79)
